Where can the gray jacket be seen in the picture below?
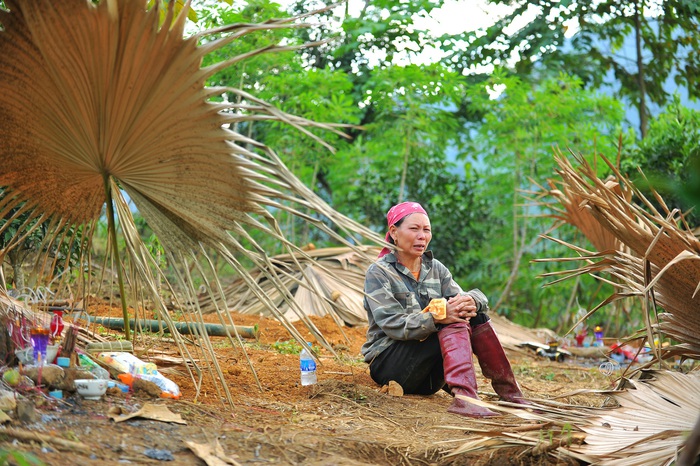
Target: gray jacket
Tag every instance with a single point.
(394, 301)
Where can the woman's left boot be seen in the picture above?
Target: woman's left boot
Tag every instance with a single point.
(495, 365)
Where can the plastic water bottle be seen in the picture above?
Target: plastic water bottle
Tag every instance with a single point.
(307, 365)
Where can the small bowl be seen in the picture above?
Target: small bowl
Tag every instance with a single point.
(26, 355)
(91, 389)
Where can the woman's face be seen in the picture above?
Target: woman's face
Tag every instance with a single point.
(413, 235)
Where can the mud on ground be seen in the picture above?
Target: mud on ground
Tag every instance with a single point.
(343, 420)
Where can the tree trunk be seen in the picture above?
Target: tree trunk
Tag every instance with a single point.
(640, 69)
(407, 151)
(15, 259)
(513, 274)
(518, 245)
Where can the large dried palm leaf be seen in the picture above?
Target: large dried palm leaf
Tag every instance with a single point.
(663, 263)
(98, 100)
(653, 416)
(329, 282)
(567, 209)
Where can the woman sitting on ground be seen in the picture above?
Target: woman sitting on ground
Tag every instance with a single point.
(424, 351)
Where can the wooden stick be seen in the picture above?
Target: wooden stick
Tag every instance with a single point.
(56, 441)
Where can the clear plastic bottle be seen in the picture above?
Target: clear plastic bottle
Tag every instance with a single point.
(88, 364)
(307, 365)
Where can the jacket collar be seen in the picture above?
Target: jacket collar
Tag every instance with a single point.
(427, 258)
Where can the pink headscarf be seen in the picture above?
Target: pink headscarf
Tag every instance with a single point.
(395, 214)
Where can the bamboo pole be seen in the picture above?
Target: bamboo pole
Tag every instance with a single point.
(185, 328)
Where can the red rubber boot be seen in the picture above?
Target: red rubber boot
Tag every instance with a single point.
(457, 360)
(495, 365)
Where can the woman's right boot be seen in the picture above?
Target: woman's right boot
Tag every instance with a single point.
(458, 364)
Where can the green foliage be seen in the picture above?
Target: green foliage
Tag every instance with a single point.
(321, 95)
(374, 37)
(669, 157)
(513, 146)
(151, 241)
(402, 155)
(287, 347)
(19, 458)
(27, 238)
(665, 30)
(415, 119)
(22, 225)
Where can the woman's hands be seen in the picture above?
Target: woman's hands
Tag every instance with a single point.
(460, 308)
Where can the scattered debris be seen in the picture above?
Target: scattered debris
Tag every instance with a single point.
(551, 351)
(156, 412)
(392, 389)
(212, 454)
(58, 442)
(161, 455)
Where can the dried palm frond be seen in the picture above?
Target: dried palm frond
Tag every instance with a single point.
(654, 415)
(571, 212)
(329, 282)
(663, 262)
(99, 101)
(651, 423)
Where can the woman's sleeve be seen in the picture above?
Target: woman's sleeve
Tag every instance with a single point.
(397, 314)
(451, 288)
(482, 302)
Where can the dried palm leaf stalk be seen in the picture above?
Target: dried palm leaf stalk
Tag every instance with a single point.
(653, 416)
(660, 261)
(329, 283)
(651, 423)
(102, 100)
(567, 209)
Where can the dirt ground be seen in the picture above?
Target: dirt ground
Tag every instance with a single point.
(343, 420)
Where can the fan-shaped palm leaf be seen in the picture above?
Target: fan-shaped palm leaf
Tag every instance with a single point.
(663, 263)
(97, 100)
(649, 425)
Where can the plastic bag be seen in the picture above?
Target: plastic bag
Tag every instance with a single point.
(133, 367)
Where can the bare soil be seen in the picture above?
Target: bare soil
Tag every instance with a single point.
(343, 420)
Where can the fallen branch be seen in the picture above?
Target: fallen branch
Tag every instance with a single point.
(58, 442)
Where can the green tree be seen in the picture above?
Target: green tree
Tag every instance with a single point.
(403, 155)
(669, 157)
(24, 238)
(405, 119)
(664, 33)
(513, 145)
(30, 235)
(283, 80)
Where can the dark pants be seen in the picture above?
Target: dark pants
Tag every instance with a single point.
(415, 365)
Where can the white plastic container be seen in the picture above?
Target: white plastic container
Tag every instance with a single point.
(26, 355)
(307, 366)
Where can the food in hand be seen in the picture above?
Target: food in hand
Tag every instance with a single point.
(437, 307)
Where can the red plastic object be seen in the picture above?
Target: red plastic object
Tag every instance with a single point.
(56, 324)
